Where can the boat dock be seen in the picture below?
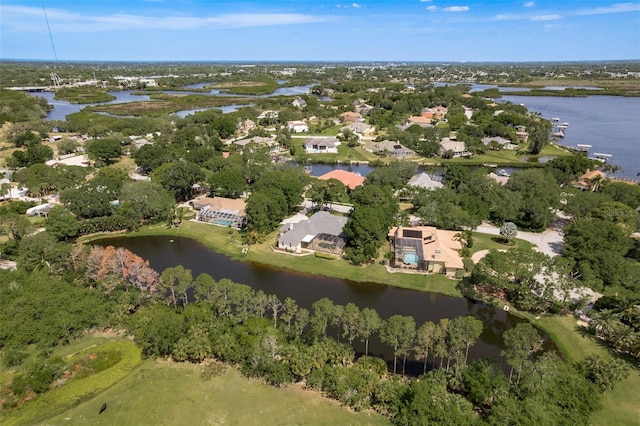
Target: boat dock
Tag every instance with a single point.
(580, 148)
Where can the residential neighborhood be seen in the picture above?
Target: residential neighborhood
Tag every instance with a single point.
(350, 230)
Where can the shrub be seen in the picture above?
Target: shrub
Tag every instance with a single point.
(322, 255)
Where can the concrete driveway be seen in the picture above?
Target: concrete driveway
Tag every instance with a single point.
(549, 242)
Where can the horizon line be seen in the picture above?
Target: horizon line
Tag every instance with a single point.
(310, 61)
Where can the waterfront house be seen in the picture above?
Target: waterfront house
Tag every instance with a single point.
(389, 148)
(590, 181)
(349, 179)
(221, 211)
(328, 145)
(426, 248)
(321, 232)
(458, 148)
(503, 143)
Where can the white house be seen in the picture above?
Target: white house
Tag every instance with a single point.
(298, 126)
(458, 148)
(328, 145)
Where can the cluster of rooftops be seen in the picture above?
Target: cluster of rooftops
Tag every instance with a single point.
(422, 249)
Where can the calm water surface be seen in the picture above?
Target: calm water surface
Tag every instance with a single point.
(610, 124)
(306, 289)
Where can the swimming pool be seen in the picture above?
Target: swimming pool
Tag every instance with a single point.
(223, 222)
(410, 258)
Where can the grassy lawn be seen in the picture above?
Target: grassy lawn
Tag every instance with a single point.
(508, 157)
(163, 392)
(76, 391)
(167, 393)
(488, 242)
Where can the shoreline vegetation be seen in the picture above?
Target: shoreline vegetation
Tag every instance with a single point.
(570, 338)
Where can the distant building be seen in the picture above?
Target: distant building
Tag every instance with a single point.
(328, 145)
(359, 127)
(268, 114)
(321, 232)
(349, 179)
(350, 117)
(458, 148)
(590, 181)
(41, 210)
(423, 180)
(389, 148)
(426, 248)
(297, 126)
(298, 102)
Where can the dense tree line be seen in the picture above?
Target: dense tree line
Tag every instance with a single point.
(283, 343)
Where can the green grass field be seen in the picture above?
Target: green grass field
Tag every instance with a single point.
(162, 392)
(76, 391)
(488, 242)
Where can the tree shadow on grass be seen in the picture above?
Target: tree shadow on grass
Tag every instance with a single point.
(503, 241)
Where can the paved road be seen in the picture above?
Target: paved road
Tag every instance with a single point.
(549, 242)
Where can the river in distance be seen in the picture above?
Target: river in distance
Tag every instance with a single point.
(164, 252)
(610, 124)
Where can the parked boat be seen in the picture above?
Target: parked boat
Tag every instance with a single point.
(503, 172)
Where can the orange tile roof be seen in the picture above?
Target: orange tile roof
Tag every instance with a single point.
(349, 179)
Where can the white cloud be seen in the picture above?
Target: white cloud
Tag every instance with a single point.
(529, 4)
(545, 18)
(456, 9)
(615, 8)
(356, 5)
(432, 8)
(30, 19)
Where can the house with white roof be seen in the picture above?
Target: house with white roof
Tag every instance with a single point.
(458, 148)
(423, 180)
(328, 145)
(297, 126)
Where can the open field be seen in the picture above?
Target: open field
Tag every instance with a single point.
(163, 392)
(488, 242)
(76, 391)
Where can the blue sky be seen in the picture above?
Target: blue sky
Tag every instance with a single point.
(320, 30)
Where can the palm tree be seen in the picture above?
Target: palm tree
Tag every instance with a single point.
(625, 338)
(604, 323)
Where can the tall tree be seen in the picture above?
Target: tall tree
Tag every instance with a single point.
(399, 332)
(425, 337)
(370, 322)
(521, 342)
